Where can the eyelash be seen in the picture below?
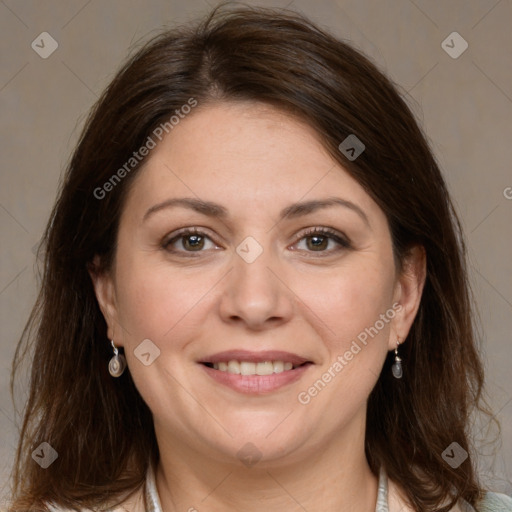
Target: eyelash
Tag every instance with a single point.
(329, 233)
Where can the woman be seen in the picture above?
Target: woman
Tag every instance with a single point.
(254, 292)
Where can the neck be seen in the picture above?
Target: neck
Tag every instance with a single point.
(331, 477)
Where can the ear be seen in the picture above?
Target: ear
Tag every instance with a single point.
(407, 293)
(105, 294)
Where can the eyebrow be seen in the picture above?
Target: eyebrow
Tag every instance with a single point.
(294, 210)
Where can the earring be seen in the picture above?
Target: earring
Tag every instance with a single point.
(396, 369)
(117, 364)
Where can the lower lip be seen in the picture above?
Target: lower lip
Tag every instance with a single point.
(256, 384)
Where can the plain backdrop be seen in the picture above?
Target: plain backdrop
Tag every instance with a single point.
(464, 104)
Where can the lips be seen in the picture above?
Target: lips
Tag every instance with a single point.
(255, 372)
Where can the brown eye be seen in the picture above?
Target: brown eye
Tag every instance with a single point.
(317, 243)
(188, 241)
(323, 240)
(192, 242)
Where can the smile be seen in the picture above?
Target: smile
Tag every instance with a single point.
(251, 368)
(255, 372)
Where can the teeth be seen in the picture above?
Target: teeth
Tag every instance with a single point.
(250, 368)
(265, 368)
(247, 368)
(278, 366)
(234, 367)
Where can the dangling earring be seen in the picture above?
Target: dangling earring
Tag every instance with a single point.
(117, 364)
(396, 369)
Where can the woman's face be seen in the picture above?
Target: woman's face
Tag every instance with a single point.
(217, 263)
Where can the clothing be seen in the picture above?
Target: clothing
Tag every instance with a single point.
(388, 499)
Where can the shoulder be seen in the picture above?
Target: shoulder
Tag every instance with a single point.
(494, 502)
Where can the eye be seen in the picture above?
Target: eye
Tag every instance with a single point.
(318, 239)
(323, 240)
(189, 240)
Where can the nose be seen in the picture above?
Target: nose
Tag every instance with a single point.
(256, 294)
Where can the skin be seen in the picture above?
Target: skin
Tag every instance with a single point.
(254, 161)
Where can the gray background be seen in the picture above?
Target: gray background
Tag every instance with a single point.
(464, 104)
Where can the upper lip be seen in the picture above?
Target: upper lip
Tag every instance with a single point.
(255, 357)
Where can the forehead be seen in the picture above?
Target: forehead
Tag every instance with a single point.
(249, 156)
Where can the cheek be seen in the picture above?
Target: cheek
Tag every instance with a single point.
(163, 305)
(349, 300)
(157, 301)
(354, 341)
(156, 305)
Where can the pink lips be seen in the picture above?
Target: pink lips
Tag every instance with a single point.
(256, 384)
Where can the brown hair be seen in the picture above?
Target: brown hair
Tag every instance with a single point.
(100, 426)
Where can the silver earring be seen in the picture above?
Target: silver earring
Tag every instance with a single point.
(396, 369)
(117, 364)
